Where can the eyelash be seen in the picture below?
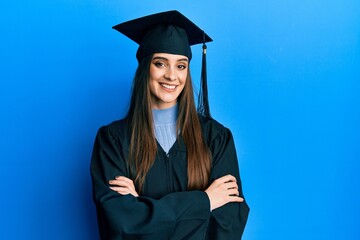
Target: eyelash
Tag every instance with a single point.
(160, 64)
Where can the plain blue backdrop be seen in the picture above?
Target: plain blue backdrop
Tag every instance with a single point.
(283, 76)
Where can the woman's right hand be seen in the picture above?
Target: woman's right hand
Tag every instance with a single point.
(123, 186)
(222, 191)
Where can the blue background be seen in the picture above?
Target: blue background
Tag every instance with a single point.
(284, 76)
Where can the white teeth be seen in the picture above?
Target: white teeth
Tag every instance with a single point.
(168, 86)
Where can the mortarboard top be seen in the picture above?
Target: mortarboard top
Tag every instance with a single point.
(168, 32)
(139, 30)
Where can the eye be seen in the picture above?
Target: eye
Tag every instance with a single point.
(159, 64)
(182, 66)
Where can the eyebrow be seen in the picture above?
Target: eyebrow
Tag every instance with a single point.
(164, 58)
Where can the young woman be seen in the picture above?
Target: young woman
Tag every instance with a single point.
(165, 171)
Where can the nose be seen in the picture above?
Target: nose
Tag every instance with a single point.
(170, 74)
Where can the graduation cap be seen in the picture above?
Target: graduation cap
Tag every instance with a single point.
(169, 32)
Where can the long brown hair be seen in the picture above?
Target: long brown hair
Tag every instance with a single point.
(143, 145)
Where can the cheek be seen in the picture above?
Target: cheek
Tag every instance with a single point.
(183, 77)
(155, 72)
(153, 77)
(152, 85)
(183, 83)
(152, 72)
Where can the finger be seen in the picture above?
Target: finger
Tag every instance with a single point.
(121, 190)
(118, 182)
(235, 199)
(224, 179)
(227, 178)
(233, 192)
(124, 191)
(121, 183)
(124, 179)
(231, 185)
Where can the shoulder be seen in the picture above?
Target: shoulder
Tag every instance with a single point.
(117, 130)
(212, 129)
(117, 126)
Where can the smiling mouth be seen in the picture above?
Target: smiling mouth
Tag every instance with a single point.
(170, 87)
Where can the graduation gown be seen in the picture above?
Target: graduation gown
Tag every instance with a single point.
(165, 209)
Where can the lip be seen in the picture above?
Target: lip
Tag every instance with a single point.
(168, 87)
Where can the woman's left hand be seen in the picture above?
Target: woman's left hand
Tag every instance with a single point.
(123, 186)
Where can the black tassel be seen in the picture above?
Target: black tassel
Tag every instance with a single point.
(203, 101)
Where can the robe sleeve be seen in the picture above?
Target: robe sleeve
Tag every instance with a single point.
(126, 216)
(227, 222)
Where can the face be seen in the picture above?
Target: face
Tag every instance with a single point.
(168, 73)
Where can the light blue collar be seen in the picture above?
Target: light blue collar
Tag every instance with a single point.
(165, 116)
